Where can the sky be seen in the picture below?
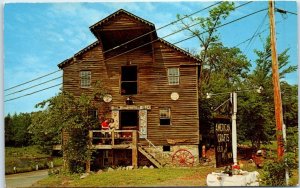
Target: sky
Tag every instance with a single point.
(38, 36)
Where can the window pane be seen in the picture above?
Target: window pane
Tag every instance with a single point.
(128, 88)
(85, 78)
(173, 72)
(164, 122)
(164, 113)
(173, 76)
(129, 73)
(173, 80)
(164, 116)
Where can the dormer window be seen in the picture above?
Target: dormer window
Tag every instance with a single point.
(129, 80)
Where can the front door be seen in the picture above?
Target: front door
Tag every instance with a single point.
(129, 120)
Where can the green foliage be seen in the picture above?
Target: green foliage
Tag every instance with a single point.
(292, 140)
(26, 158)
(274, 172)
(16, 129)
(260, 107)
(222, 69)
(72, 114)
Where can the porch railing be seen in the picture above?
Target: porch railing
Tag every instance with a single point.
(112, 137)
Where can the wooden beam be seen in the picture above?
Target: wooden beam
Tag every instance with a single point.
(134, 150)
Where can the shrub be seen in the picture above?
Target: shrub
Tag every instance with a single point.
(274, 172)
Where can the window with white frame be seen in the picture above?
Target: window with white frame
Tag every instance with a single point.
(85, 79)
(165, 116)
(173, 76)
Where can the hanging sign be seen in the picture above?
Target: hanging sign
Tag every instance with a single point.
(223, 142)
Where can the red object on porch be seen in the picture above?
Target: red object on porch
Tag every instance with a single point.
(105, 125)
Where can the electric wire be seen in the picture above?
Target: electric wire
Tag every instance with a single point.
(182, 30)
(171, 23)
(32, 80)
(33, 86)
(113, 48)
(152, 42)
(223, 25)
(32, 92)
(247, 48)
(266, 29)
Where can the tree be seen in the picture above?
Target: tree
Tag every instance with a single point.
(8, 130)
(222, 69)
(72, 114)
(206, 33)
(16, 130)
(260, 107)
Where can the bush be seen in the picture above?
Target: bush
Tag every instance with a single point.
(274, 172)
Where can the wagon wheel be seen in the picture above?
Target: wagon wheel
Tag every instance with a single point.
(183, 157)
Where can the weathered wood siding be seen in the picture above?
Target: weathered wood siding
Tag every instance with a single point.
(152, 62)
(123, 22)
(153, 88)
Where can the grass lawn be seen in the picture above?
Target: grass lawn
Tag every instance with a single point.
(26, 158)
(138, 177)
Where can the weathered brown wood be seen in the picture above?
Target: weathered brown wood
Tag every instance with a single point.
(113, 138)
(152, 63)
(134, 150)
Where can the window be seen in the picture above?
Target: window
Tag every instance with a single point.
(165, 116)
(93, 114)
(173, 76)
(129, 80)
(166, 148)
(85, 79)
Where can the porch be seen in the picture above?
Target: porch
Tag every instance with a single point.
(121, 140)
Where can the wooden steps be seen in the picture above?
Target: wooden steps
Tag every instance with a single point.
(150, 157)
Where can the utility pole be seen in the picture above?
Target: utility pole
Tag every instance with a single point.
(276, 85)
(234, 135)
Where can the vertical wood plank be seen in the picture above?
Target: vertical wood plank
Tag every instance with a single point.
(134, 150)
(113, 137)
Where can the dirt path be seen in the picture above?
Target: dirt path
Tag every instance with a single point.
(25, 179)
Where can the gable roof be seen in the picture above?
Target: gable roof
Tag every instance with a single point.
(101, 22)
(62, 64)
(179, 49)
(104, 20)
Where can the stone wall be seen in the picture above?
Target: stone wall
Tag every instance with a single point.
(165, 157)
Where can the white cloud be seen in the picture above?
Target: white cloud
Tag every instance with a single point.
(79, 10)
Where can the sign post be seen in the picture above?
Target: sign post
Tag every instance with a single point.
(223, 142)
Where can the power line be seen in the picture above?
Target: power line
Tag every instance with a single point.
(33, 86)
(266, 29)
(182, 30)
(32, 93)
(32, 80)
(224, 24)
(171, 23)
(247, 48)
(163, 37)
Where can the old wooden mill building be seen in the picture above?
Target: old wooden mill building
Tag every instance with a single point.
(153, 95)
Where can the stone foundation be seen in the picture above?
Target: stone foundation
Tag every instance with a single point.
(165, 157)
